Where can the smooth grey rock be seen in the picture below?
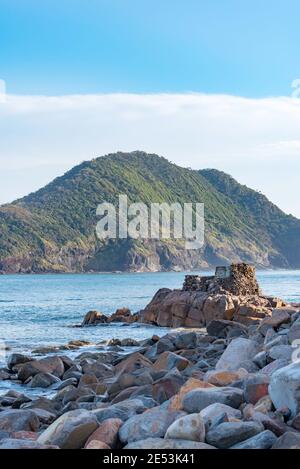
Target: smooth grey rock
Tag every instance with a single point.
(238, 351)
(198, 399)
(276, 342)
(153, 423)
(43, 380)
(263, 440)
(14, 420)
(284, 388)
(280, 352)
(216, 410)
(289, 440)
(228, 434)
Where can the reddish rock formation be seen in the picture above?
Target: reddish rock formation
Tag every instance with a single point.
(232, 294)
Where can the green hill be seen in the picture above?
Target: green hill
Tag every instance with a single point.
(53, 229)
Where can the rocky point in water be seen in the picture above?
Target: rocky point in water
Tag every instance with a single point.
(234, 385)
(231, 294)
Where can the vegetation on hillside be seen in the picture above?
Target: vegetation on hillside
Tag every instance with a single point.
(53, 229)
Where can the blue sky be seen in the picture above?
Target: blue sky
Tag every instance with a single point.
(247, 48)
(203, 83)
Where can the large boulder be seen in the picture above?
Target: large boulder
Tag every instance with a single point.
(279, 316)
(186, 340)
(96, 368)
(92, 318)
(167, 386)
(14, 420)
(238, 351)
(198, 399)
(71, 430)
(290, 440)
(169, 360)
(73, 394)
(224, 378)
(284, 388)
(280, 352)
(43, 380)
(227, 434)
(189, 427)
(215, 411)
(153, 423)
(53, 365)
(17, 359)
(127, 380)
(189, 385)
(107, 433)
(223, 328)
(134, 362)
(122, 315)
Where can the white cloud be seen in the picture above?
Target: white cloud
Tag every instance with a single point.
(2, 91)
(255, 140)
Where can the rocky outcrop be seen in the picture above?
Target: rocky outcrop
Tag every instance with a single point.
(232, 294)
(94, 318)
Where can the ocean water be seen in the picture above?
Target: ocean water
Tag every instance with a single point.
(39, 310)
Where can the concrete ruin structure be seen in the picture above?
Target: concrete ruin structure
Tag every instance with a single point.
(237, 279)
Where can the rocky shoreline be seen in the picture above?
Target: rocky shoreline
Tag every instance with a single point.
(235, 384)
